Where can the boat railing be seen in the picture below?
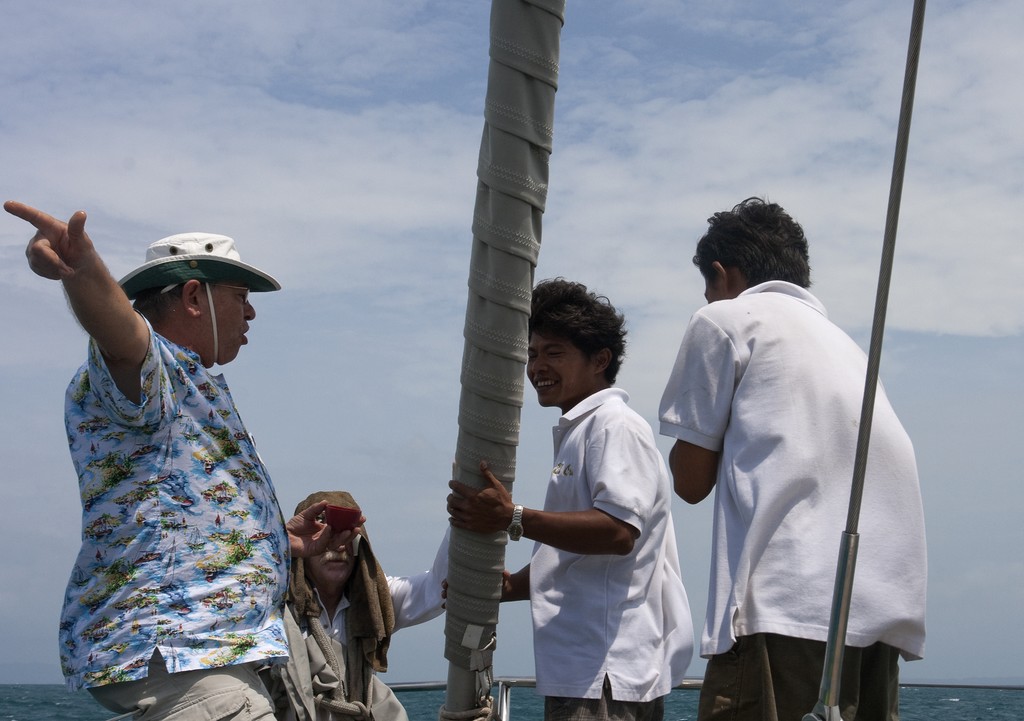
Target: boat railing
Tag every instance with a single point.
(502, 689)
(689, 683)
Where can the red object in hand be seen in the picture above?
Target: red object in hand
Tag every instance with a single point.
(342, 518)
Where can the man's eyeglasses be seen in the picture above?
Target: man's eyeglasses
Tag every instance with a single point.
(245, 295)
(245, 291)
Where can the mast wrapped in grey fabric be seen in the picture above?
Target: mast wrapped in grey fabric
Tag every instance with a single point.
(511, 195)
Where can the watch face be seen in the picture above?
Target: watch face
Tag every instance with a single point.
(515, 529)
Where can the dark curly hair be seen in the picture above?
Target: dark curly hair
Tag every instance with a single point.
(565, 309)
(759, 238)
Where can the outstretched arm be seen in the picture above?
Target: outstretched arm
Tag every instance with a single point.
(63, 251)
(489, 510)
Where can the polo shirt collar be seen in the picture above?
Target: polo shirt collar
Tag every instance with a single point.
(592, 402)
(791, 289)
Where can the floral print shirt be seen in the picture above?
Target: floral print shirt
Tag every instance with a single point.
(183, 542)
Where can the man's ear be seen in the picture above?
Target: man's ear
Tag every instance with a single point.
(720, 273)
(603, 359)
(193, 299)
(731, 280)
(736, 281)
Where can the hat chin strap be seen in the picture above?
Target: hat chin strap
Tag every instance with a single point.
(213, 318)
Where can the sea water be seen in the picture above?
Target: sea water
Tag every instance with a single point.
(42, 702)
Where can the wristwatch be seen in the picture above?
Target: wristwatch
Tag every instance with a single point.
(515, 529)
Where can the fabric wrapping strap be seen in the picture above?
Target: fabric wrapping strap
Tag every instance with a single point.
(512, 173)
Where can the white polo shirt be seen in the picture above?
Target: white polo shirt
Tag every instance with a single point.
(626, 617)
(771, 383)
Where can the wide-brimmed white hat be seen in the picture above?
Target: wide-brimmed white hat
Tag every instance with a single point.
(199, 256)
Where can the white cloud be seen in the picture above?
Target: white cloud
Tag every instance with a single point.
(337, 142)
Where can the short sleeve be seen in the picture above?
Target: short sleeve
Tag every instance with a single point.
(154, 382)
(697, 401)
(624, 471)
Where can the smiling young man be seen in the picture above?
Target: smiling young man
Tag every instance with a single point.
(612, 629)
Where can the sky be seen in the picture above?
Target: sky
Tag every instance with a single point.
(337, 143)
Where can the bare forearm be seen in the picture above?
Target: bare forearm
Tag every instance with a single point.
(490, 509)
(63, 251)
(694, 471)
(587, 532)
(105, 312)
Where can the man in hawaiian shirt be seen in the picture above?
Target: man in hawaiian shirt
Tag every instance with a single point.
(177, 593)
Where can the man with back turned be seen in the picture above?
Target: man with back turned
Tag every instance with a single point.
(764, 402)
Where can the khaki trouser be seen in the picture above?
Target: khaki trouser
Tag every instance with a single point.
(229, 692)
(766, 677)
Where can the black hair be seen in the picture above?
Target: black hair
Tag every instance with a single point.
(760, 239)
(565, 309)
